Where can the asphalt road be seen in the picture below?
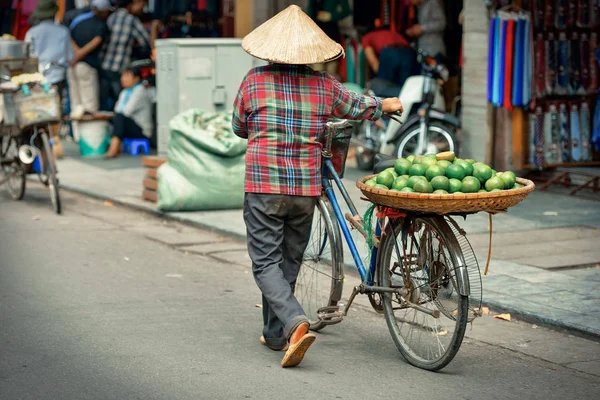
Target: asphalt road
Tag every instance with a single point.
(92, 308)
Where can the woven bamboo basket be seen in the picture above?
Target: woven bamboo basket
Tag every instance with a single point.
(447, 203)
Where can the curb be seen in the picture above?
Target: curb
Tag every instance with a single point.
(523, 315)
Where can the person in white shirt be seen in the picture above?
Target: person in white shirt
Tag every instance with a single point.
(133, 112)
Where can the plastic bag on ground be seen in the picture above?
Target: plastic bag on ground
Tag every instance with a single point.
(206, 164)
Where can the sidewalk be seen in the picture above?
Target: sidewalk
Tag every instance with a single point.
(545, 259)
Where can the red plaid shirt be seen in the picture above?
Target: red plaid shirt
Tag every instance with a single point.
(281, 109)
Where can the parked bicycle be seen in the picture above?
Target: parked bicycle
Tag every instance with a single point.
(421, 275)
(25, 144)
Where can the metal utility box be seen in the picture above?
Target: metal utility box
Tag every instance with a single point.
(197, 73)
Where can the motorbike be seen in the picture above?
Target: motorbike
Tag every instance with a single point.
(424, 128)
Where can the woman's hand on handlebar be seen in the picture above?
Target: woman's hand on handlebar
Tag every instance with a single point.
(391, 105)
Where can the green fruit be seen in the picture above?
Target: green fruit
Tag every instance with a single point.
(440, 191)
(454, 185)
(482, 190)
(470, 161)
(458, 193)
(495, 190)
(393, 171)
(468, 167)
(444, 163)
(378, 186)
(423, 186)
(494, 172)
(411, 158)
(428, 161)
(517, 186)
(440, 183)
(400, 183)
(509, 179)
(433, 171)
(386, 178)
(417, 170)
(494, 183)
(414, 179)
(402, 165)
(404, 176)
(407, 189)
(455, 171)
(470, 184)
(482, 172)
(418, 159)
(371, 182)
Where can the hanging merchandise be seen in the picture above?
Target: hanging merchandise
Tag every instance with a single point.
(563, 121)
(585, 63)
(551, 65)
(540, 65)
(575, 133)
(539, 138)
(584, 124)
(583, 14)
(549, 14)
(575, 64)
(571, 12)
(510, 65)
(592, 63)
(531, 152)
(561, 14)
(551, 142)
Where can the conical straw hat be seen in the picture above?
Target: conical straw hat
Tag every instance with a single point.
(291, 37)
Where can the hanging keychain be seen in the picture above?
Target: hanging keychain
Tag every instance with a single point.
(571, 13)
(575, 65)
(561, 11)
(583, 14)
(563, 119)
(551, 64)
(585, 131)
(575, 133)
(540, 66)
(563, 64)
(584, 63)
(539, 138)
(551, 135)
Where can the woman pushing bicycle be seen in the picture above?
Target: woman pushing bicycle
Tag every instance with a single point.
(281, 108)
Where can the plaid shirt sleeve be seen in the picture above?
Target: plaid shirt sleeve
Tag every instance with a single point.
(139, 33)
(238, 120)
(350, 105)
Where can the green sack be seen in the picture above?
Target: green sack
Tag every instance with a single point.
(206, 164)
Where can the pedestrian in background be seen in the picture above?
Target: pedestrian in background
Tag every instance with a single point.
(428, 29)
(51, 43)
(125, 29)
(133, 112)
(281, 109)
(88, 32)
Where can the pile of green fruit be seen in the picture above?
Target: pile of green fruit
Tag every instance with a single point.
(443, 174)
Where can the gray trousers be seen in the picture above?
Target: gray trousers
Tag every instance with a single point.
(278, 229)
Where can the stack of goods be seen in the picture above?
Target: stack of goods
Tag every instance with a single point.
(151, 164)
(443, 174)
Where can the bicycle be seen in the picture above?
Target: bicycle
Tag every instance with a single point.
(25, 144)
(420, 273)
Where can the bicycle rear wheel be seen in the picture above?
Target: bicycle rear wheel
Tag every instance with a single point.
(50, 170)
(428, 338)
(9, 150)
(321, 278)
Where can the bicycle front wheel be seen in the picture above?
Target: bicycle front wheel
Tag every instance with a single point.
(50, 170)
(428, 321)
(9, 150)
(321, 277)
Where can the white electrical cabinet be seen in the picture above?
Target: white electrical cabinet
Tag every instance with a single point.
(197, 73)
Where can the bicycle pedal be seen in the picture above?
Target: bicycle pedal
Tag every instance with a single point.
(330, 315)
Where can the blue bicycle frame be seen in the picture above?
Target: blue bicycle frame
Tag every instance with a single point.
(329, 170)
